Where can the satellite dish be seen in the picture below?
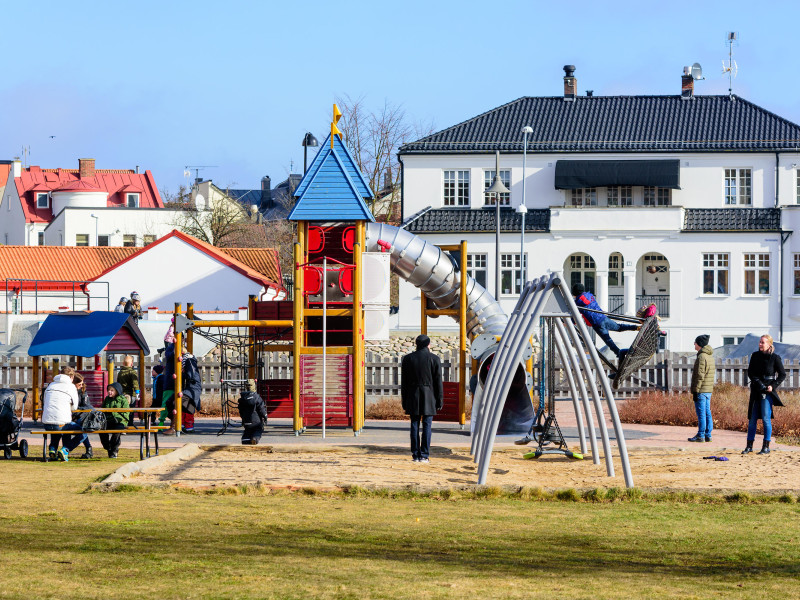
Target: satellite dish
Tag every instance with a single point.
(697, 71)
(200, 202)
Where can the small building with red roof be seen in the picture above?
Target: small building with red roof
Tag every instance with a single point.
(81, 207)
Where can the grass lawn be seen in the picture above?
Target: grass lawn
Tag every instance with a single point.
(60, 541)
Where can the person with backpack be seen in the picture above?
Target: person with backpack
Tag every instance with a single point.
(253, 412)
(115, 398)
(598, 320)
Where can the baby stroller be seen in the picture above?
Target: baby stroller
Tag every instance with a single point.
(10, 424)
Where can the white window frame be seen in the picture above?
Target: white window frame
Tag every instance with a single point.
(39, 195)
(757, 263)
(583, 197)
(510, 263)
(488, 178)
(736, 339)
(737, 187)
(478, 262)
(148, 239)
(583, 263)
(617, 269)
(40, 238)
(131, 196)
(619, 195)
(715, 262)
(657, 196)
(459, 193)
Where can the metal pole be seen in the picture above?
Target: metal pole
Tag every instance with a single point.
(324, 336)
(497, 231)
(522, 228)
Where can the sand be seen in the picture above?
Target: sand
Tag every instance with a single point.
(392, 467)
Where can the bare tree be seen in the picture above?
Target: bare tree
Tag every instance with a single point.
(280, 234)
(223, 223)
(374, 139)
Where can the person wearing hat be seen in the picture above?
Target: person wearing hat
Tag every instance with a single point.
(423, 395)
(702, 388)
(120, 307)
(134, 307)
(253, 412)
(597, 320)
(766, 373)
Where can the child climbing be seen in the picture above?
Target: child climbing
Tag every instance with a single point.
(598, 320)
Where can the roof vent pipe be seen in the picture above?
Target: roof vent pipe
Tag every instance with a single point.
(570, 83)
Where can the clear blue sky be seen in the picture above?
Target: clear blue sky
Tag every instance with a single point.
(237, 84)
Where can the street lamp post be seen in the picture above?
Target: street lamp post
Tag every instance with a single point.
(523, 208)
(308, 140)
(497, 188)
(96, 229)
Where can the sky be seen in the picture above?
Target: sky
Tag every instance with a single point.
(234, 86)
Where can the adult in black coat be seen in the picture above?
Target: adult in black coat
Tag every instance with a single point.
(134, 307)
(253, 412)
(766, 373)
(423, 395)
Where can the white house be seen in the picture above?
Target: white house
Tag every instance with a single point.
(686, 201)
(81, 207)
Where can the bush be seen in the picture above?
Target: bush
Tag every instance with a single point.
(728, 408)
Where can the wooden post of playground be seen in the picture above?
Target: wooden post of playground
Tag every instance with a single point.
(190, 332)
(56, 363)
(177, 418)
(462, 341)
(35, 390)
(297, 421)
(359, 401)
(79, 363)
(251, 342)
(110, 368)
(423, 322)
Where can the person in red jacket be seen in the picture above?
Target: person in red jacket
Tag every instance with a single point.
(598, 321)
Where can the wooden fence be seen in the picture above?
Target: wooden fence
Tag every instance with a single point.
(665, 371)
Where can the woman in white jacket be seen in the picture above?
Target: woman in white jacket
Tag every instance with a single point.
(60, 399)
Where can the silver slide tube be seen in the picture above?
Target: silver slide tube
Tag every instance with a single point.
(432, 271)
(498, 373)
(576, 369)
(572, 390)
(612, 407)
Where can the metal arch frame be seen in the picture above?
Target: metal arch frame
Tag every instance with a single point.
(572, 338)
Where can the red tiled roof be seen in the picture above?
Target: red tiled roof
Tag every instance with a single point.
(115, 182)
(5, 169)
(263, 260)
(58, 263)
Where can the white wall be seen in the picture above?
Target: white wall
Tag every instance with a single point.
(174, 271)
(114, 222)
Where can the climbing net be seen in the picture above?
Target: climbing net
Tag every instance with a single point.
(233, 344)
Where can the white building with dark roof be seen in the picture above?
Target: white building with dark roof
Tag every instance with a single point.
(685, 201)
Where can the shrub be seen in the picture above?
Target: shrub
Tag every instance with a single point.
(728, 407)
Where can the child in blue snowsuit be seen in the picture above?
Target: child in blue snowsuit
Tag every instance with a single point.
(598, 321)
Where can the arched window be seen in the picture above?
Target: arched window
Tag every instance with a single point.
(582, 270)
(616, 275)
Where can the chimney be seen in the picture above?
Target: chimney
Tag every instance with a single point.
(266, 192)
(86, 167)
(687, 84)
(570, 83)
(16, 168)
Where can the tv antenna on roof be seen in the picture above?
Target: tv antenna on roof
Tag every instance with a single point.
(198, 168)
(731, 68)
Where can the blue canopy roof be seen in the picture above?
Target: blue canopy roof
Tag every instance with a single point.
(333, 188)
(83, 333)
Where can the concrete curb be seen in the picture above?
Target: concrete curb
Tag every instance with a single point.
(128, 470)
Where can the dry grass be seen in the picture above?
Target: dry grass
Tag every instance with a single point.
(728, 408)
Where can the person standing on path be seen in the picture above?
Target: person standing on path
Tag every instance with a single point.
(423, 395)
(702, 388)
(766, 373)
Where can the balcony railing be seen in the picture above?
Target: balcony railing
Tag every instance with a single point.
(616, 303)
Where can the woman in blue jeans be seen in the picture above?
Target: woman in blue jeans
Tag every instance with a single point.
(766, 373)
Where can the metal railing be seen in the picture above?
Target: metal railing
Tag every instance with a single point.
(616, 304)
(72, 292)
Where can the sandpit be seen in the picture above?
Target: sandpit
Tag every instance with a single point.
(392, 467)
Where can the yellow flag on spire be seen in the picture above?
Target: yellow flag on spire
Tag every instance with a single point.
(337, 114)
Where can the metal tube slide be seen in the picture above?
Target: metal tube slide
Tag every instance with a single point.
(612, 407)
(434, 272)
(576, 369)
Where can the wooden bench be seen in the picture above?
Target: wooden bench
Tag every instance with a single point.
(144, 430)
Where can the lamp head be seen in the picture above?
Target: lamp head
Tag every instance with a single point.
(310, 141)
(497, 187)
(522, 209)
(527, 129)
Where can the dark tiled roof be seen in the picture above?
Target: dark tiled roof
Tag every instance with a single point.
(732, 219)
(454, 220)
(246, 197)
(619, 124)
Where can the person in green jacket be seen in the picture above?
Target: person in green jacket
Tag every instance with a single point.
(115, 399)
(702, 388)
(128, 378)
